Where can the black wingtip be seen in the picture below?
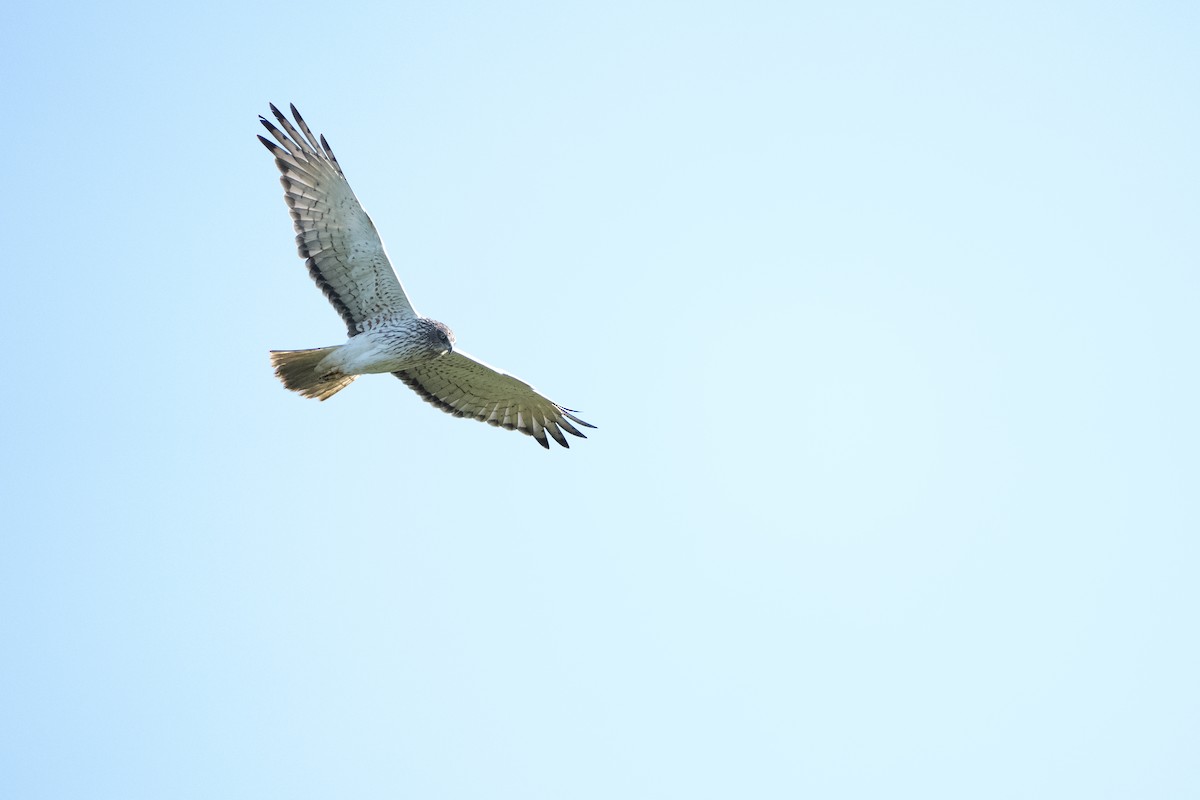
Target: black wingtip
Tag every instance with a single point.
(567, 413)
(557, 434)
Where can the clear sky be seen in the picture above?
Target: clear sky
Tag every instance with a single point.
(887, 315)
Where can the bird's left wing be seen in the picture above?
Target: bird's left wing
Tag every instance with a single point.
(334, 235)
(460, 385)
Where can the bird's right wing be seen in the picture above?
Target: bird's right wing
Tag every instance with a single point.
(344, 253)
(465, 387)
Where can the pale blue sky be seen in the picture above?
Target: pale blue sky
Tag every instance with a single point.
(887, 315)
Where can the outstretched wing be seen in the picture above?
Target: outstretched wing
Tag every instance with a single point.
(344, 253)
(464, 387)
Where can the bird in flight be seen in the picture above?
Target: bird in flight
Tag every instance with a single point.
(345, 257)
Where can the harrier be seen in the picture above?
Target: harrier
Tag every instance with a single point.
(345, 257)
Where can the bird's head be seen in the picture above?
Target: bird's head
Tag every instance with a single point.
(439, 337)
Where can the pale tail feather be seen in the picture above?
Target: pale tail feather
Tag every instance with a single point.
(298, 371)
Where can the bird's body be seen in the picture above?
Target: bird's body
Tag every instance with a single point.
(390, 344)
(346, 258)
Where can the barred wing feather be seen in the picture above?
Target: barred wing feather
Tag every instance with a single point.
(334, 235)
(465, 387)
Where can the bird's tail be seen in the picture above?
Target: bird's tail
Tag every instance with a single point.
(298, 371)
